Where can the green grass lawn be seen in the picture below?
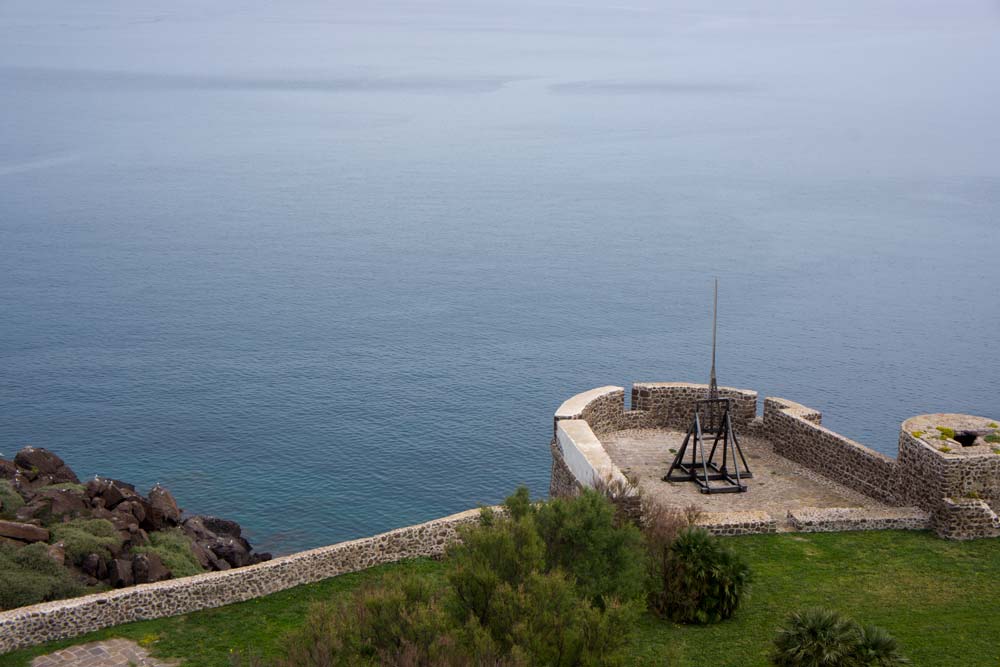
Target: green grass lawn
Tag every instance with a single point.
(940, 599)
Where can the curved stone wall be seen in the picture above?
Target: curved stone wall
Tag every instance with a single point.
(40, 623)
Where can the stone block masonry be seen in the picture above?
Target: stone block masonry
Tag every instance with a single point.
(952, 489)
(44, 622)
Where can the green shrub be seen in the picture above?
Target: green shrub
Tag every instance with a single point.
(917, 434)
(584, 538)
(700, 580)
(174, 549)
(559, 583)
(401, 622)
(993, 425)
(86, 536)
(992, 438)
(498, 551)
(944, 448)
(824, 638)
(29, 576)
(10, 500)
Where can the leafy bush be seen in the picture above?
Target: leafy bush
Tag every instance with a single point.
(824, 638)
(553, 584)
(584, 538)
(86, 536)
(10, 500)
(174, 549)
(992, 438)
(698, 579)
(29, 576)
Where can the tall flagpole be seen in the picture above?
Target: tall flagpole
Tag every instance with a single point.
(713, 388)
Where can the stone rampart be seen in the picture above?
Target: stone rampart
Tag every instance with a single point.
(957, 493)
(27, 626)
(797, 434)
(672, 404)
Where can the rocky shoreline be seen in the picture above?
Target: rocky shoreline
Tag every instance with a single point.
(43, 501)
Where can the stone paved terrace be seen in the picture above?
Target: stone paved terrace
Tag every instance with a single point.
(777, 487)
(109, 653)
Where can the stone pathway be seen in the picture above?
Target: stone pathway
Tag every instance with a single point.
(110, 653)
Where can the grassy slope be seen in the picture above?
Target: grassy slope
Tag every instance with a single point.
(940, 599)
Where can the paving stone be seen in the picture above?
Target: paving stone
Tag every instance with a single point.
(109, 653)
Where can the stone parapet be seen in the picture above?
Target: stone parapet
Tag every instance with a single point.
(27, 626)
(798, 435)
(672, 404)
(834, 519)
(737, 523)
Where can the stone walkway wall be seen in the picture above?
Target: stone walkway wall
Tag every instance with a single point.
(44, 622)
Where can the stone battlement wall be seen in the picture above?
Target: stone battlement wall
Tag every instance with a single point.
(27, 626)
(798, 435)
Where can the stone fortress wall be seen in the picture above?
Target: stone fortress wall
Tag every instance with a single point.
(957, 496)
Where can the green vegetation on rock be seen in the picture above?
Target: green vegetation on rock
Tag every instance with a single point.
(82, 537)
(10, 500)
(174, 549)
(946, 432)
(28, 576)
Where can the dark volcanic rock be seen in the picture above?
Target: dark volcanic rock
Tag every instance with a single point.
(23, 531)
(63, 502)
(232, 550)
(120, 573)
(149, 568)
(111, 491)
(7, 469)
(94, 566)
(163, 508)
(222, 526)
(39, 462)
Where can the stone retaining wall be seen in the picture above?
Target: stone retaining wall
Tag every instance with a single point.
(27, 626)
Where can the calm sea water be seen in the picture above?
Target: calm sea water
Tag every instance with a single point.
(328, 268)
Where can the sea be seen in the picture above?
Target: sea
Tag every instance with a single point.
(328, 268)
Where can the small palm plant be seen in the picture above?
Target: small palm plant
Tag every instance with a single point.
(877, 648)
(819, 637)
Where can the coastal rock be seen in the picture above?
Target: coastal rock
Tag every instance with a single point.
(8, 470)
(111, 491)
(120, 573)
(94, 566)
(25, 532)
(221, 526)
(149, 568)
(163, 508)
(63, 502)
(38, 462)
(232, 550)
